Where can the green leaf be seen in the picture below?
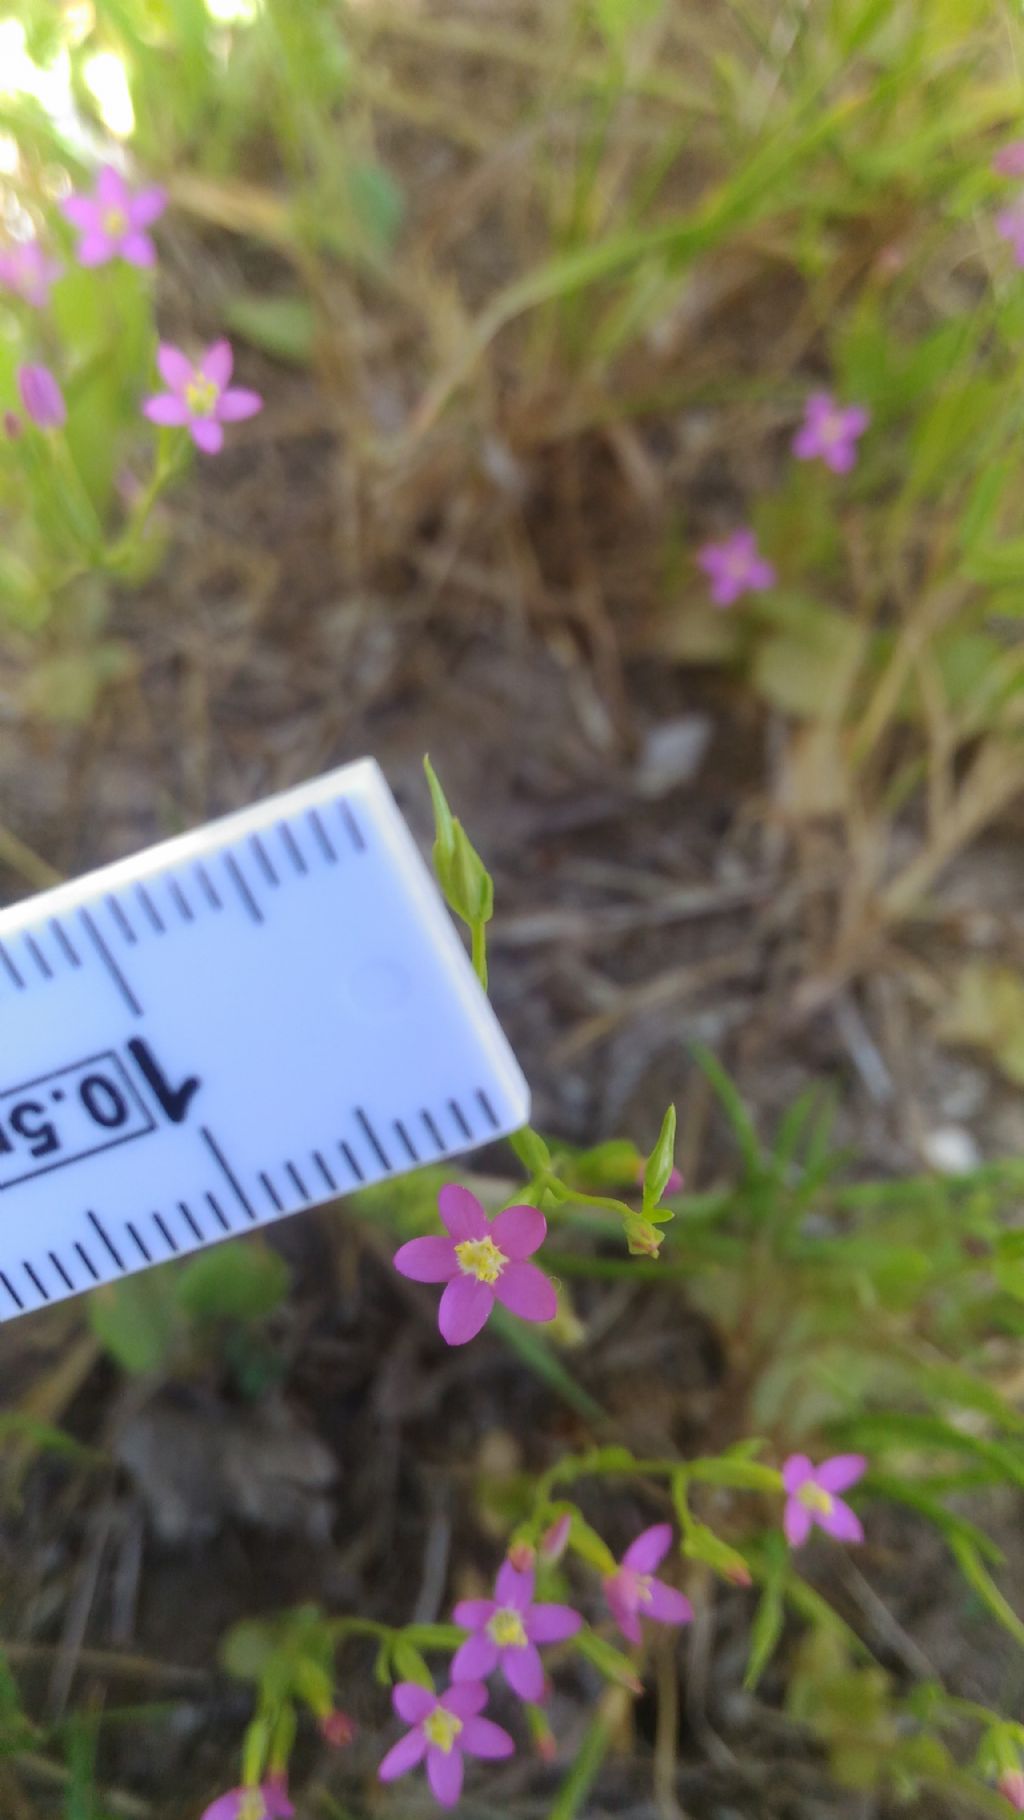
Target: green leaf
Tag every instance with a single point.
(136, 1320)
(409, 1664)
(283, 326)
(766, 1629)
(981, 1582)
(608, 1660)
(247, 1649)
(233, 1282)
(661, 1162)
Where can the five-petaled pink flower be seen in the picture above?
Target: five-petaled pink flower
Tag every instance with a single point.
(1011, 1787)
(268, 1802)
(482, 1261)
(200, 398)
(1010, 226)
(112, 222)
(42, 397)
(829, 432)
(506, 1631)
(1009, 160)
(28, 271)
(632, 1591)
(444, 1729)
(734, 567)
(812, 1497)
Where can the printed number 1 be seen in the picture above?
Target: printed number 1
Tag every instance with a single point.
(174, 1101)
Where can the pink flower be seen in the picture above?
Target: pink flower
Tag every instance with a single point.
(112, 223)
(26, 270)
(1009, 160)
(506, 1631)
(444, 1729)
(1011, 1787)
(42, 397)
(268, 1802)
(632, 1591)
(1010, 226)
(200, 398)
(734, 567)
(812, 1497)
(481, 1261)
(829, 432)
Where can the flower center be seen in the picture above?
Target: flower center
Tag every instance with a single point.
(507, 1630)
(635, 1588)
(441, 1728)
(832, 429)
(201, 394)
(815, 1498)
(481, 1258)
(115, 223)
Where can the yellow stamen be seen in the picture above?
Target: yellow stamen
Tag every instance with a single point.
(441, 1728)
(115, 223)
(813, 1497)
(481, 1258)
(201, 395)
(507, 1630)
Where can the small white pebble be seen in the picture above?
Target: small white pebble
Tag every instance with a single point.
(950, 1149)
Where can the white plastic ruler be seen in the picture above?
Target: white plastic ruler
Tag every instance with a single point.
(236, 1024)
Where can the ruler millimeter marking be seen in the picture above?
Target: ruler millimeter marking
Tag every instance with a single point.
(234, 1025)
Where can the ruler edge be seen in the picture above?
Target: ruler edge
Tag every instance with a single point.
(362, 777)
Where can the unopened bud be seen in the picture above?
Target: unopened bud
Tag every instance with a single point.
(13, 426)
(554, 1540)
(522, 1556)
(337, 1729)
(642, 1239)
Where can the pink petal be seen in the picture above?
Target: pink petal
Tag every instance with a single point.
(465, 1306)
(111, 190)
(174, 367)
(137, 249)
(526, 1291)
(623, 1613)
(95, 248)
(430, 1260)
(842, 1471)
(275, 1796)
(806, 444)
(819, 405)
(462, 1213)
(225, 1807)
(512, 1587)
(464, 1698)
(482, 1738)
(444, 1773)
(412, 1702)
(237, 404)
(841, 1523)
(1009, 161)
(82, 212)
(472, 1614)
(147, 206)
(217, 363)
(711, 558)
(403, 1756)
(649, 1549)
(552, 1623)
(762, 573)
(840, 457)
(166, 409)
(796, 1522)
(856, 419)
(475, 1659)
(518, 1231)
(725, 589)
(207, 435)
(524, 1672)
(796, 1471)
(666, 1605)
